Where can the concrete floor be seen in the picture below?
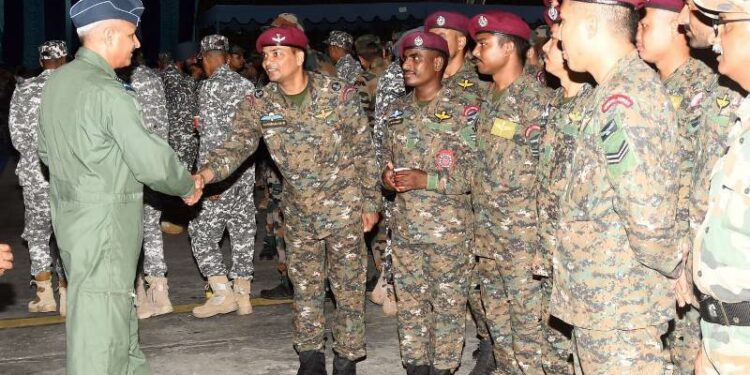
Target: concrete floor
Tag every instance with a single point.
(178, 343)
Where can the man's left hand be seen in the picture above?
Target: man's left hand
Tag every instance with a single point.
(369, 220)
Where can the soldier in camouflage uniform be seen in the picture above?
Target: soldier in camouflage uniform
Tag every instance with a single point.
(660, 42)
(315, 61)
(230, 204)
(616, 248)
(721, 259)
(180, 93)
(503, 192)
(317, 134)
(339, 49)
(563, 117)
(430, 140)
(461, 75)
(23, 123)
(149, 91)
(275, 229)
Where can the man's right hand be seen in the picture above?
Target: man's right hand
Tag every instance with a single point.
(389, 177)
(200, 183)
(6, 258)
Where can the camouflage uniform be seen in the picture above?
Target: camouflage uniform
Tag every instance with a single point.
(616, 226)
(347, 68)
(686, 86)
(722, 259)
(23, 124)
(180, 92)
(563, 117)
(505, 214)
(432, 227)
(324, 152)
(231, 203)
(274, 216)
(149, 91)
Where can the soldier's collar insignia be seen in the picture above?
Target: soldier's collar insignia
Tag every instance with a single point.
(676, 101)
(722, 102)
(465, 84)
(442, 116)
(440, 21)
(615, 100)
(278, 38)
(482, 21)
(575, 116)
(323, 114)
(418, 41)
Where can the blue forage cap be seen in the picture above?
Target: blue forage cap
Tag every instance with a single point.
(86, 12)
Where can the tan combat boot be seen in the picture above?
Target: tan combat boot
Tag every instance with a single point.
(142, 305)
(222, 300)
(62, 289)
(380, 293)
(158, 295)
(45, 299)
(171, 228)
(242, 288)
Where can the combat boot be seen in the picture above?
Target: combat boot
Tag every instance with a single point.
(312, 363)
(158, 296)
(417, 370)
(222, 300)
(380, 291)
(434, 371)
(171, 228)
(485, 359)
(269, 248)
(45, 299)
(142, 304)
(389, 305)
(282, 291)
(62, 289)
(344, 366)
(242, 288)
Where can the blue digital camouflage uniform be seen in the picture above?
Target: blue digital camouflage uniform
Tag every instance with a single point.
(348, 69)
(181, 95)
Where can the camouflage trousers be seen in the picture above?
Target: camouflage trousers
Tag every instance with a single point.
(475, 305)
(234, 210)
(726, 349)
(186, 148)
(625, 352)
(275, 227)
(431, 283)
(340, 257)
(557, 335)
(512, 303)
(37, 231)
(153, 243)
(684, 341)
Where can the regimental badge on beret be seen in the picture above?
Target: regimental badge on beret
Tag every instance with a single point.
(482, 21)
(278, 38)
(418, 41)
(552, 13)
(440, 21)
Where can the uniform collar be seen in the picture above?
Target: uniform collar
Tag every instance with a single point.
(93, 58)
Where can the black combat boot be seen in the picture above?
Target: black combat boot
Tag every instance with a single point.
(312, 363)
(282, 291)
(417, 370)
(435, 371)
(269, 248)
(344, 366)
(485, 359)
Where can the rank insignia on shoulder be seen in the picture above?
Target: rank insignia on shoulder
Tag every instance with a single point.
(618, 155)
(575, 116)
(272, 120)
(722, 102)
(336, 86)
(615, 100)
(676, 101)
(471, 110)
(323, 114)
(442, 116)
(395, 118)
(465, 84)
(445, 159)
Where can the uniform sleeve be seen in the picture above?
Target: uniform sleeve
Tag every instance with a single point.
(243, 142)
(149, 157)
(162, 117)
(641, 157)
(455, 180)
(18, 123)
(363, 153)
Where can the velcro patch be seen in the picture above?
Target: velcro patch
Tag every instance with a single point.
(615, 100)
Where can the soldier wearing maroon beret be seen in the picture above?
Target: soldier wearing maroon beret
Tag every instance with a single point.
(662, 42)
(318, 136)
(503, 190)
(428, 146)
(616, 256)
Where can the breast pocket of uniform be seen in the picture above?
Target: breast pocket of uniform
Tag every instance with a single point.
(737, 209)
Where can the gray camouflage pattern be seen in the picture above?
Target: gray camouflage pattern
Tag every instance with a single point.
(180, 92)
(348, 69)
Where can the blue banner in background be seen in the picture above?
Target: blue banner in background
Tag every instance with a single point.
(33, 36)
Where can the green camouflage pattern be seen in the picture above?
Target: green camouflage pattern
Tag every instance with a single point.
(627, 352)
(725, 349)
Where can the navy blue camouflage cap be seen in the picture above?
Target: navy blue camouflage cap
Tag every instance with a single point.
(340, 39)
(214, 42)
(86, 12)
(52, 50)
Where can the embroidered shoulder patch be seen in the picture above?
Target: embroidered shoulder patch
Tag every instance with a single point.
(615, 100)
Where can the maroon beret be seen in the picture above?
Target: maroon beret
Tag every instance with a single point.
(499, 22)
(282, 36)
(636, 4)
(447, 20)
(424, 40)
(671, 5)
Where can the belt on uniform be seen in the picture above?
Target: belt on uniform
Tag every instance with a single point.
(726, 314)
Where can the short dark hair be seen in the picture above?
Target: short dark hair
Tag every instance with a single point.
(369, 52)
(520, 45)
(622, 18)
